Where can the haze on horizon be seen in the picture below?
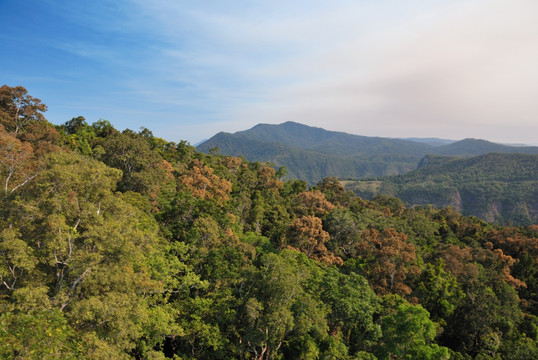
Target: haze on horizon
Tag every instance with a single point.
(187, 70)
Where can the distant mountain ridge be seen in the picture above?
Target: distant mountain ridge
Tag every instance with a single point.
(431, 141)
(312, 153)
(474, 147)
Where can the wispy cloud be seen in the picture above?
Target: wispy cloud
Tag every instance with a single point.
(420, 68)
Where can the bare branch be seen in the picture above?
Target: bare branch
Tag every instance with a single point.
(23, 183)
(73, 288)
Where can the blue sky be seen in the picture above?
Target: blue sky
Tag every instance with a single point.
(189, 69)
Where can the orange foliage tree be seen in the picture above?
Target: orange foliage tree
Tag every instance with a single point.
(390, 261)
(267, 179)
(313, 202)
(17, 108)
(458, 261)
(25, 137)
(16, 165)
(307, 235)
(203, 184)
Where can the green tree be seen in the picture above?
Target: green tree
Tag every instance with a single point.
(95, 253)
(409, 334)
(38, 334)
(353, 307)
(282, 308)
(438, 291)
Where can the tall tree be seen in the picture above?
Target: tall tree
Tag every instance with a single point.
(18, 109)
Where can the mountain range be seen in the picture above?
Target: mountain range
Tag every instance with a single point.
(311, 153)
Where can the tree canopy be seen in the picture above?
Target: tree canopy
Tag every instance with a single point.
(123, 245)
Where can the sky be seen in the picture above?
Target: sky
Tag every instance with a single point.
(187, 70)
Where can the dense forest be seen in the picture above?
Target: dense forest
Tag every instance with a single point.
(501, 188)
(118, 245)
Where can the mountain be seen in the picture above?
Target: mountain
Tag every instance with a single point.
(431, 141)
(311, 153)
(309, 165)
(496, 187)
(332, 142)
(473, 147)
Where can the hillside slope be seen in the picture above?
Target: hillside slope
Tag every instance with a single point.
(311, 165)
(496, 187)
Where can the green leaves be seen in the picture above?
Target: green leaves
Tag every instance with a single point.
(37, 335)
(17, 259)
(353, 306)
(438, 291)
(408, 334)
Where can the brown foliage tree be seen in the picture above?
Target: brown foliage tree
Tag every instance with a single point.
(504, 264)
(201, 181)
(17, 108)
(267, 179)
(391, 261)
(25, 137)
(313, 202)
(307, 235)
(513, 242)
(458, 261)
(16, 164)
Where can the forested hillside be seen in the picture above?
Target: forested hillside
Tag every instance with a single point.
(311, 153)
(311, 165)
(121, 245)
(500, 188)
